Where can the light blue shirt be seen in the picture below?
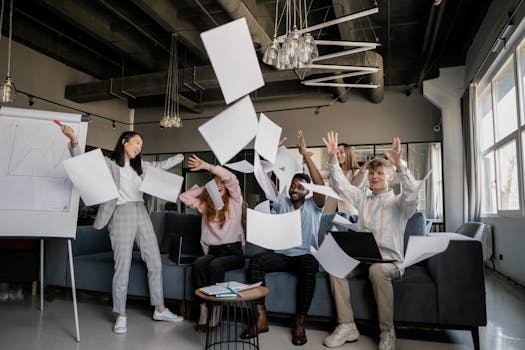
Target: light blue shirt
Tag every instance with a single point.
(310, 219)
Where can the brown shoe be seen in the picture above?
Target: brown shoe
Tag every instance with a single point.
(298, 333)
(201, 328)
(261, 327)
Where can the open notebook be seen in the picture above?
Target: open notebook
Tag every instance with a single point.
(228, 287)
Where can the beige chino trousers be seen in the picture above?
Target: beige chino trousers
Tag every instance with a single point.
(381, 276)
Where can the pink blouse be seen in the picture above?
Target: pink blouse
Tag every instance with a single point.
(232, 230)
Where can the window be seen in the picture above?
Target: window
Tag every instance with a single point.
(502, 131)
(507, 179)
(506, 112)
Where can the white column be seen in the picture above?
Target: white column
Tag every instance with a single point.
(445, 93)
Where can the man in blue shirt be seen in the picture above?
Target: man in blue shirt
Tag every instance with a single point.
(297, 259)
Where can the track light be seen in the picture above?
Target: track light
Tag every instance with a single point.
(113, 125)
(31, 101)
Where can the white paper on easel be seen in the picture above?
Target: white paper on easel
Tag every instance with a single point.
(91, 177)
(415, 193)
(274, 231)
(423, 247)
(231, 130)
(327, 191)
(232, 55)
(334, 260)
(262, 179)
(215, 195)
(242, 166)
(161, 184)
(267, 138)
(285, 166)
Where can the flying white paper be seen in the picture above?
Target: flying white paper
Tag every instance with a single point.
(414, 194)
(232, 55)
(231, 130)
(215, 195)
(263, 207)
(266, 166)
(334, 260)
(267, 139)
(327, 191)
(338, 219)
(274, 231)
(242, 166)
(285, 166)
(423, 247)
(162, 184)
(262, 179)
(94, 189)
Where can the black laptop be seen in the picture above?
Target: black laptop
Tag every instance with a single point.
(181, 251)
(361, 246)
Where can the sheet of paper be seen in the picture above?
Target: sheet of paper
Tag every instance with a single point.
(267, 138)
(162, 184)
(414, 194)
(243, 166)
(334, 260)
(262, 179)
(266, 165)
(285, 166)
(338, 219)
(263, 207)
(215, 195)
(238, 286)
(327, 191)
(231, 130)
(274, 231)
(423, 247)
(91, 177)
(232, 55)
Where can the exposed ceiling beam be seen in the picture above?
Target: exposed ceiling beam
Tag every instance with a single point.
(168, 16)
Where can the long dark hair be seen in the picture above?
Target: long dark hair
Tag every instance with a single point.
(118, 152)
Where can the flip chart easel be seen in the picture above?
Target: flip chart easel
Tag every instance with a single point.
(38, 200)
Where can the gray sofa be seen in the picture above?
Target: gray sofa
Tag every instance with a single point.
(445, 291)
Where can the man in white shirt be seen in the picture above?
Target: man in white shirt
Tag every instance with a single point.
(385, 215)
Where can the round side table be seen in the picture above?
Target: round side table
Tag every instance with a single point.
(236, 314)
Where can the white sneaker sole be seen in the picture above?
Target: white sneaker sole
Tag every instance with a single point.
(120, 330)
(168, 319)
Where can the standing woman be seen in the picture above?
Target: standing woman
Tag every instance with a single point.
(129, 222)
(222, 233)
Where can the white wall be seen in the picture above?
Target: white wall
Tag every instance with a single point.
(358, 122)
(47, 78)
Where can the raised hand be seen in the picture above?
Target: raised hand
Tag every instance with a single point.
(282, 141)
(195, 163)
(70, 133)
(331, 143)
(394, 156)
(302, 145)
(180, 156)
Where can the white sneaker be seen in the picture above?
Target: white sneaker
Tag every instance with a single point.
(387, 340)
(167, 315)
(121, 325)
(345, 332)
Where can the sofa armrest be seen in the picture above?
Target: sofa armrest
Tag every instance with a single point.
(460, 282)
(89, 240)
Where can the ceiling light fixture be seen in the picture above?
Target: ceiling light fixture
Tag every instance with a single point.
(8, 90)
(171, 117)
(297, 50)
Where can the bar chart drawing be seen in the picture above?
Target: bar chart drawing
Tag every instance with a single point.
(31, 173)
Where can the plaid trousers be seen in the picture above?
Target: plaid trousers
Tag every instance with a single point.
(130, 223)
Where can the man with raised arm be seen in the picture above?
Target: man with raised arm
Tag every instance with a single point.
(385, 215)
(297, 259)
